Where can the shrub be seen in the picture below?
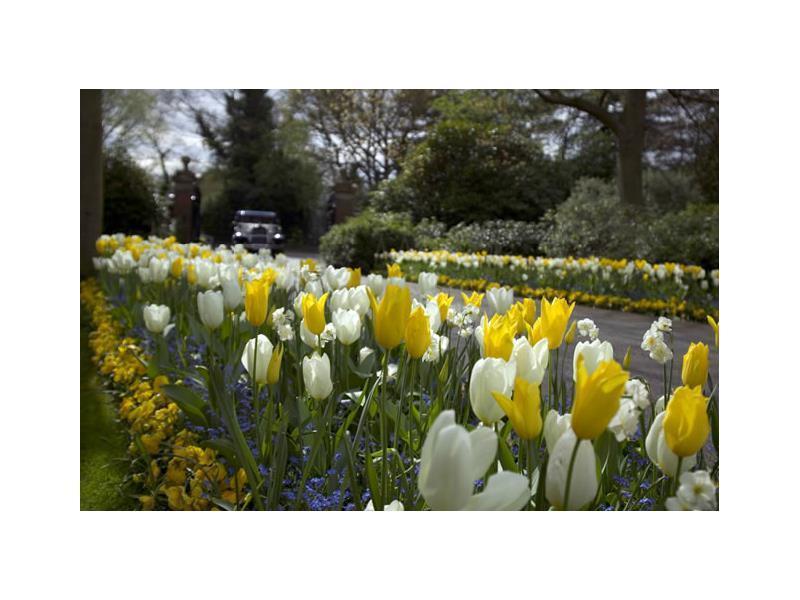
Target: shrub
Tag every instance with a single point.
(355, 242)
(688, 236)
(128, 203)
(495, 237)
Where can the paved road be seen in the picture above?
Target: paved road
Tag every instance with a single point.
(626, 329)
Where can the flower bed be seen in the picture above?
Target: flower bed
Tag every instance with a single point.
(248, 382)
(636, 285)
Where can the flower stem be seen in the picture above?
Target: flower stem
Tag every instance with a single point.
(569, 473)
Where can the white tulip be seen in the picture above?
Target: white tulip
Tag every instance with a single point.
(298, 305)
(206, 272)
(314, 287)
(339, 300)
(376, 283)
(452, 459)
(594, 353)
(347, 324)
(364, 354)
(159, 269)
(531, 360)
(660, 453)
(261, 359)
(210, 307)
(555, 426)
(144, 274)
(394, 506)
(335, 279)
(156, 317)
(309, 339)
(490, 375)
(427, 283)
(122, 262)
(317, 375)
(358, 300)
(583, 487)
(500, 299)
(231, 290)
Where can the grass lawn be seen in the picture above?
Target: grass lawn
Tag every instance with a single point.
(103, 441)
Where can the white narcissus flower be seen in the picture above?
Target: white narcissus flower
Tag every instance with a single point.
(261, 359)
(438, 345)
(500, 299)
(347, 324)
(210, 307)
(663, 324)
(531, 360)
(625, 423)
(156, 317)
(394, 506)
(675, 503)
(554, 427)
(490, 375)
(159, 269)
(587, 328)
(427, 283)
(594, 353)
(661, 353)
(660, 453)
(453, 459)
(583, 486)
(637, 391)
(697, 490)
(317, 375)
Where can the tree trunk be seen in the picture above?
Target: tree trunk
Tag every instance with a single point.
(630, 140)
(91, 176)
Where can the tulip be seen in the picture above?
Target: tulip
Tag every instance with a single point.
(274, 370)
(531, 360)
(500, 299)
(389, 318)
(715, 327)
(427, 283)
(159, 269)
(358, 300)
(659, 451)
(517, 315)
(498, 337)
(418, 333)
(314, 312)
(256, 302)
(393, 506)
(569, 337)
(339, 300)
(191, 273)
(593, 353)
(555, 426)
(355, 278)
(686, 425)
(452, 459)
(156, 317)
(317, 375)
(490, 375)
(210, 307)
(177, 267)
(535, 332)
(596, 397)
(314, 288)
(432, 312)
(206, 272)
(523, 410)
(555, 316)
(394, 271)
(529, 310)
(474, 300)
(259, 351)
(581, 479)
(443, 301)
(376, 283)
(695, 366)
(335, 279)
(347, 324)
(231, 291)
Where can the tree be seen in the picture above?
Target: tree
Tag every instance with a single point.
(91, 175)
(128, 205)
(365, 132)
(623, 113)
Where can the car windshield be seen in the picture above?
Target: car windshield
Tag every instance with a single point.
(251, 218)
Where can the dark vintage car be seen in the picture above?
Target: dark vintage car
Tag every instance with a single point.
(256, 229)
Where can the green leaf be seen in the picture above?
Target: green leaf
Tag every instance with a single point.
(506, 457)
(188, 401)
(372, 479)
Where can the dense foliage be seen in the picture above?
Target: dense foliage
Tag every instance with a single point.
(128, 203)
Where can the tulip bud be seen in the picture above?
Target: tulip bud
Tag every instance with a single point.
(594, 353)
(531, 360)
(256, 302)
(490, 375)
(389, 318)
(210, 307)
(274, 370)
(686, 425)
(626, 362)
(596, 397)
(258, 354)
(177, 267)
(569, 337)
(523, 410)
(583, 479)
(156, 317)
(695, 366)
(355, 278)
(427, 283)
(715, 327)
(554, 427)
(659, 451)
(317, 375)
(314, 312)
(498, 337)
(418, 333)
(347, 324)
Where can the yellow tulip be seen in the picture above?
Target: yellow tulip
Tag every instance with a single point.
(555, 316)
(596, 397)
(715, 327)
(101, 245)
(389, 318)
(475, 299)
(535, 333)
(517, 314)
(191, 274)
(256, 302)
(524, 410)
(529, 310)
(268, 277)
(498, 337)
(274, 369)
(686, 425)
(569, 337)
(443, 301)
(394, 270)
(695, 366)
(355, 278)
(176, 268)
(310, 263)
(314, 312)
(418, 333)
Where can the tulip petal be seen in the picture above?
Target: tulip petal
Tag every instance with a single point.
(483, 442)
(504, 491)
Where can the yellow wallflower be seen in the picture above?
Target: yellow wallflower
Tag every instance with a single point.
(524, 410)
(695, 365)
(389, 318)
(555, 316)
(418, 333)
(314, 312)
(686, 425)
(596, 397)
(256, 302)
